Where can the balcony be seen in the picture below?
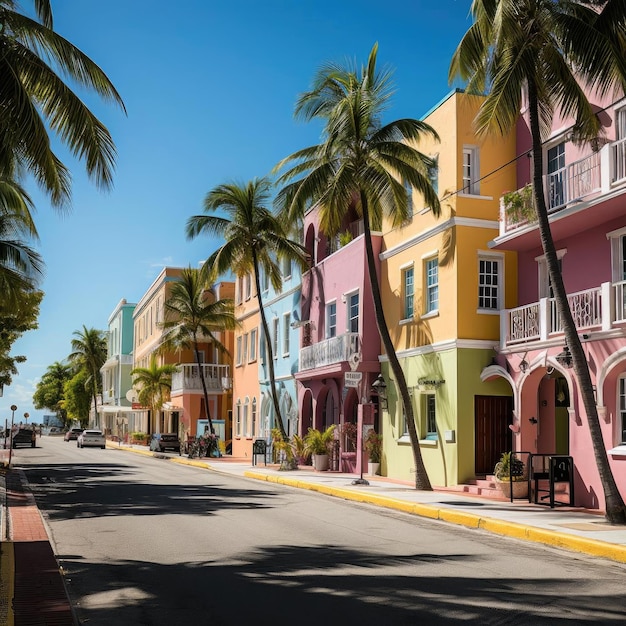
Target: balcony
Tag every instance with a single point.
(587, 180)
(187, 378)
(600, 308)
(329, 351)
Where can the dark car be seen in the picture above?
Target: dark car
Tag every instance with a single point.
(72, 434)
(24, 437)
(160, 442)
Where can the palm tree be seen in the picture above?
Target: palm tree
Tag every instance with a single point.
(154, 383)
(34, 98)
(362, 164)
(254, 241)
(89, 352)
(191, 317)
(547, 50)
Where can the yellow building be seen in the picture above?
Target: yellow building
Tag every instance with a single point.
(442, 290)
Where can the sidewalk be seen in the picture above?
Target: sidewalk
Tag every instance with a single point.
(27, 559)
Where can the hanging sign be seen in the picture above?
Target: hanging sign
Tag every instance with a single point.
(352, 379)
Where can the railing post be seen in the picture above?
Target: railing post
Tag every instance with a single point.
(607, 300)
(544, 319)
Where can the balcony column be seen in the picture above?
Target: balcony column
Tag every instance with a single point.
(544, 319)
(606, 170)
(607, 300)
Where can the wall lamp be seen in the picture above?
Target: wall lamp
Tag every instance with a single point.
(532, 420)
(524, 364)
(380, 388)
(565, 358)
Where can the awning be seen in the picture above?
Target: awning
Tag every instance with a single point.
(107, 408)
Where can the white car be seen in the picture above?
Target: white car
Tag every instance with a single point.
(91, 438)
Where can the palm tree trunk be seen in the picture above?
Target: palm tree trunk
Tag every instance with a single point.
(268, 348)
(204, 389)
(615, 510)
(421, 477)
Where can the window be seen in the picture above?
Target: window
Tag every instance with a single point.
(489, 283)
(353, 313)
(246, 424)
(265, 285)
(286, 323)
(431, 416)
(253, 418)
(409, 201)
(244, 356)
(556, 175)
(275, 337)
(253, 334)
(545, 283)
(622, 409)
(404, 427)
(331, 320)
(248, 286)
(238, 419)
(431, 272)
(433, 173)
(408, 292)
(470, 171)
(619, 147)
(239, 293)
(285, 267)
(238, 350)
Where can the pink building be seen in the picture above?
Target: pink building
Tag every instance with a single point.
(340, 343)
(585, 189)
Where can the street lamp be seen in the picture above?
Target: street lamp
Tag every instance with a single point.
(13, 409)
(26, 416)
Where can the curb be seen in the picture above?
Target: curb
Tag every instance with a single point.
(555, 539)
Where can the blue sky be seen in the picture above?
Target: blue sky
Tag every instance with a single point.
(209, 87)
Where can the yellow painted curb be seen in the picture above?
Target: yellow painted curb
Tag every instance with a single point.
(7, 582)
(555, 539)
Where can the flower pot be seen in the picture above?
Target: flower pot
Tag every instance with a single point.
(520, 488)
(372, 468)
(320, 462)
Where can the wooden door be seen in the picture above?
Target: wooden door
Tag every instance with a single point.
(492, 416)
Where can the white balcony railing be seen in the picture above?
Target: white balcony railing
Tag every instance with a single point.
(591, 308)
(329, 351)
(187, 378)
(575, 182)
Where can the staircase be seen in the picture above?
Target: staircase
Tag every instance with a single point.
(482, 487)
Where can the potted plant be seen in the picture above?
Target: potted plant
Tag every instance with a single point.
(511, 474)
(374, 448)
(519, 206)
(285, 449)
(318, 445)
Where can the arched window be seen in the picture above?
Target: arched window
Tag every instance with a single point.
(253, 420)
(238, 419)
(246, 423)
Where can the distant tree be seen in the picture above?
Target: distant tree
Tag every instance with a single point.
(89, 352)
(77, 398)
(193, 316)
(254, 241)
(545, 51)
(17, 317)
(153, 384)
(34, 99)
(50, 389)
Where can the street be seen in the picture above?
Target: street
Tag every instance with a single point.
(146, 541)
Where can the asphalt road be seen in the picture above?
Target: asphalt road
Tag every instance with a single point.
(146, 541)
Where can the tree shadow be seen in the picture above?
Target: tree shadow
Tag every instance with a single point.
(332, 584)
(84, 490)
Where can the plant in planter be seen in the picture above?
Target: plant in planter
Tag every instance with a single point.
(511, 473)
(374, 448)
(139, 438)
(519, 205)
(345, 238)
(284, 449)
(318, 445)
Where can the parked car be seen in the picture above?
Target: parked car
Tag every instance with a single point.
(91, 438)
(160, 442)
(23, 437)
(72, 434)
